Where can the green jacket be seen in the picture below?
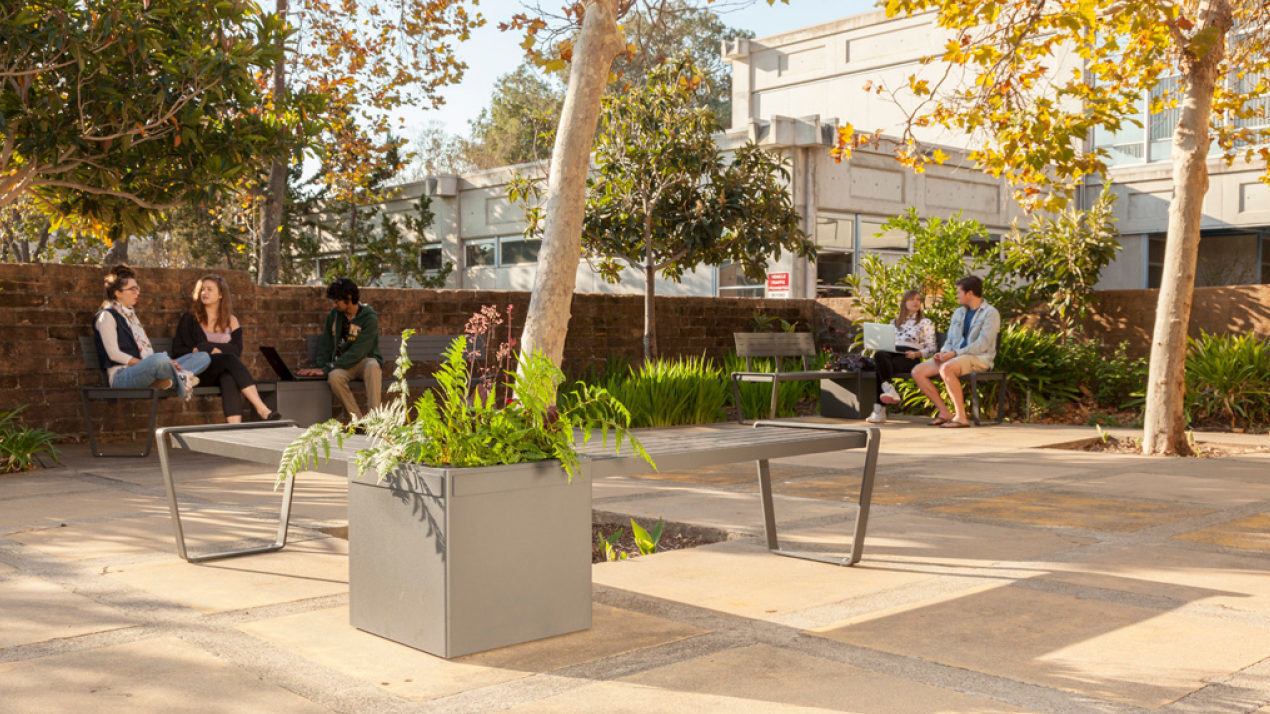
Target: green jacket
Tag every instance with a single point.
(361, 342)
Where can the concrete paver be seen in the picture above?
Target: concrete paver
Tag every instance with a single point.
(163, 674)
(1115, 515)
(1105, 649)
(36, 610)
(1251, 533)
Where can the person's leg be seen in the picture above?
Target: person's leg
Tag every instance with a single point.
(372, 376)
(195, 362)
(951, 374)
(884, 372)
(338, 379)
(246, 385)
(152, 369)
(230, 400)
(922, 376)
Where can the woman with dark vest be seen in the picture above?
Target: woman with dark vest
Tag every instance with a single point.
(211, 329)
(124, 348)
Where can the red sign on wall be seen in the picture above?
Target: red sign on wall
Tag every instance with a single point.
(778, 281)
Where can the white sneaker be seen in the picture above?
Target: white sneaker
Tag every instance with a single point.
(878, 416)
(889, 395)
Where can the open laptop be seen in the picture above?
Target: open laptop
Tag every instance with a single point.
(879, 336)
(280, 368)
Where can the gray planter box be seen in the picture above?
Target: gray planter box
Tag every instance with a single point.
(839, 399)
(455, 561)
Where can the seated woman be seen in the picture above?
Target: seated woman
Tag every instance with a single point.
(124, 348)
(914, 341)
(211, 329)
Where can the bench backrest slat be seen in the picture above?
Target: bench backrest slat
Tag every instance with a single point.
(775, 344)
(88, 347)
(420, 348)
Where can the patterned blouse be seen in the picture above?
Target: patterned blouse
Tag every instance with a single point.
(916, 334)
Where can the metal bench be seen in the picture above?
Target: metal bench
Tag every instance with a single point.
(673, 449)
(106, 393)
(779, 346)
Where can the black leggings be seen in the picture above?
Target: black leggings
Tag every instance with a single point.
(889, 365)
(229, 372)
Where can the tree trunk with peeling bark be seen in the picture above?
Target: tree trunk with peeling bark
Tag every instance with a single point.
(598, 44)
(276, 191)
(1164, 428)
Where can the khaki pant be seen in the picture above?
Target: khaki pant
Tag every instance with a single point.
(368, 371)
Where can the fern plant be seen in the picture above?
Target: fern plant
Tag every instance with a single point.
(463, 424)
(23, 448)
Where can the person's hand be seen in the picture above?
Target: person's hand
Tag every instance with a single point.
(945, 356)
(913, 354)
(309, 372)
(194, 350)
(215, 350)
(176, 364)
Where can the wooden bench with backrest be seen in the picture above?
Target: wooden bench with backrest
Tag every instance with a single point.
(421, 349)
(778, 346)
(106, 393)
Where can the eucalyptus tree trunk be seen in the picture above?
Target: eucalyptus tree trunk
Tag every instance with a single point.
(650, 294)
(1164, 428)
(549, 306)
(276, 191)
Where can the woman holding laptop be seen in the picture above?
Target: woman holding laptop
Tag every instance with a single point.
(914, 342)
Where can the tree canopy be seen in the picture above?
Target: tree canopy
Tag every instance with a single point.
(113, 110)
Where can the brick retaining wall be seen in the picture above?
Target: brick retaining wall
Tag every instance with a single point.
(44, 309)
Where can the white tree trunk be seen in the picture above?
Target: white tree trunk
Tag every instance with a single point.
(549, 306)
(276, 191)
(1164, 428)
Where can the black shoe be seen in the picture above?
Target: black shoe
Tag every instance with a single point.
(273, 416)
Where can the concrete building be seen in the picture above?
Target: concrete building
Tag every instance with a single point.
(789, 93)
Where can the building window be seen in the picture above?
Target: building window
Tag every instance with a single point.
(732, 282)
(1265, 258)
(483, 252)
(873, 237)
(1155, 260)
(515, 250)
(430, 257)
(835, 253)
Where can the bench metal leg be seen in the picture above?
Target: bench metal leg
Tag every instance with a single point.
(775, 397)
(284, 517)
(92, 439)
(1001, 399)
(974, 397)
(867, 478)
(736, 399)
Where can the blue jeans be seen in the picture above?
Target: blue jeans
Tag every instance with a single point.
(159, 366)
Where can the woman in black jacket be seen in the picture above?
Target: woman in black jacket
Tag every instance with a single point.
(210, 326)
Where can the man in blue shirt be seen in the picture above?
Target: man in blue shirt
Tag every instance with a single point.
(971, 346)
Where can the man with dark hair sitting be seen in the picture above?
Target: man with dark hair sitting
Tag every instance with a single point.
(348, 347)
(971, 347)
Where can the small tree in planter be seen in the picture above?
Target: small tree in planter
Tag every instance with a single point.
(430, 563)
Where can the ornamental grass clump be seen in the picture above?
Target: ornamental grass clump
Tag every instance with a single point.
(486, 410)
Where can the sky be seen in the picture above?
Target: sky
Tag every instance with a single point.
(491, 53)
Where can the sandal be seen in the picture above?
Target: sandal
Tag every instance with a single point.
(937, 421)
(954, 424)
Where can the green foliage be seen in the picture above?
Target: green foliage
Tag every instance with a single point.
(373, 251)
(1041, 362)
(114, 110)
(610, 545)
(647, 541)
(23, 448)
(669, 392)
(1058, 260)
(943, 252)
(461, 425)
(519, 125)
(1228, 379)
(771, 323)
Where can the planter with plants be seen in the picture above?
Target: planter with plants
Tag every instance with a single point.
(470, 513)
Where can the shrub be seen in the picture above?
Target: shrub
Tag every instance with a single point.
(669, 392)
(1228, 378)
(23, 448)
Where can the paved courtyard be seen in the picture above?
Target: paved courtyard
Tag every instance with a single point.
(997, 577)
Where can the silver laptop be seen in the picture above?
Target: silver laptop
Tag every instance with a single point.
(879, 336)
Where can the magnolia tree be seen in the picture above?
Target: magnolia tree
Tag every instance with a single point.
(590, 54)
(1035, 117)
(112, 111)
(663, 199)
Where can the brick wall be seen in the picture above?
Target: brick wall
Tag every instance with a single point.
(44, 309)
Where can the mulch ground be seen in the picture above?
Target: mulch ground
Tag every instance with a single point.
(671, 539)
